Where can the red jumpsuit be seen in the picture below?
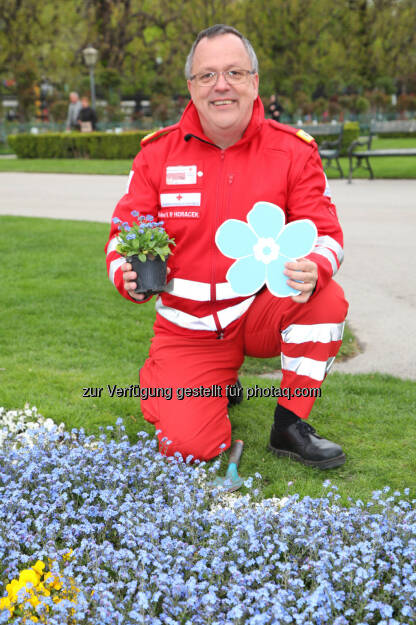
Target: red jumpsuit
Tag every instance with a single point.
(203, 329)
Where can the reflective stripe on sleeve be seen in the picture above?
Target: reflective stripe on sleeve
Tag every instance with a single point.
(326, 253)
(315, 369)
(327, 191)
(113, 244)
(332, 244)
(316, 333)
(114, 265)
(129, 181)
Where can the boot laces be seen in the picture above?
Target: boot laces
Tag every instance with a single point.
(305, 428)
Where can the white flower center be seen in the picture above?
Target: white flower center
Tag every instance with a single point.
(266, 250)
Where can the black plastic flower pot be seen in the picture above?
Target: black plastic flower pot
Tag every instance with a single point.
(151, 275)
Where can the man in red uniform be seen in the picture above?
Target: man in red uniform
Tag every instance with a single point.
(219, 160)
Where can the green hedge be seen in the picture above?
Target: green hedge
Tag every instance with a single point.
(396, 135)
(351, 133)
(110, 145)
(78, 145)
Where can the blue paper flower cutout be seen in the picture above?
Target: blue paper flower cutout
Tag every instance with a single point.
(262, 247)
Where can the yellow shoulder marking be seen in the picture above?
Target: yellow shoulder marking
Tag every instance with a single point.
(152, 136)
(305, 136)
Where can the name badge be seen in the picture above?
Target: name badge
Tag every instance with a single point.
(181, 174)
(180, 199)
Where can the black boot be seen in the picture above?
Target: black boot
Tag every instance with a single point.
(300, 442)
(235, 396)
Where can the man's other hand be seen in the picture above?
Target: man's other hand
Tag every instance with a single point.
(129, 278)
(306, 271)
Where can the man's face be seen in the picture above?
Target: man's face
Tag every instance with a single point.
(223, 107)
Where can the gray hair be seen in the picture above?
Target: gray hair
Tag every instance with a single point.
(215, 31)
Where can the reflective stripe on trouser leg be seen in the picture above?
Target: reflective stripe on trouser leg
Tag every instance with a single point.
(307, 356)
(308, 336)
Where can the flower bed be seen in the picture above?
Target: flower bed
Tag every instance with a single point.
(152, 544)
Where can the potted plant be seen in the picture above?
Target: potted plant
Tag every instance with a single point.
(146, 246)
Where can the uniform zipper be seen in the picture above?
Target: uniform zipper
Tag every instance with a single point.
(220, 332)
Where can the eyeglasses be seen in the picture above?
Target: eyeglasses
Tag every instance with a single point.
(232, 76)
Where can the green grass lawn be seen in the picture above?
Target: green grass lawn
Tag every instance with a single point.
(63, 327)
(383, 167)
(67, 166)
(395, 167)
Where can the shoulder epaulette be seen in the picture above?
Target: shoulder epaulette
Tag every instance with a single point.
(153, 136)
(301, 134)
(305, 136)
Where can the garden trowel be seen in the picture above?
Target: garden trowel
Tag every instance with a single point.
(232, 481)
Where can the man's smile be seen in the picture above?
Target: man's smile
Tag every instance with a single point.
(222, 102)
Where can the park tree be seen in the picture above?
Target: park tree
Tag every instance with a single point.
(297, 44)
(172, 27)
(383, 40)
(20, 35)
(394, 41)
(37, 40)
(131, 38)
(308, 49)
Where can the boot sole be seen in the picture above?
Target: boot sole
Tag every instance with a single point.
(329, 463)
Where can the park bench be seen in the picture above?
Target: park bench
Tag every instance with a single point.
(362, 156)
(329, 149)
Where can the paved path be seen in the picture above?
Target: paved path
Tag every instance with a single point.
(378, 276)
(379, 222)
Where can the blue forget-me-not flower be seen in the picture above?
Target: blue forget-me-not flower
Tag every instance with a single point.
(262, 246)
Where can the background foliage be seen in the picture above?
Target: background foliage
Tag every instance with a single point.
(100, 145)
(313, 53)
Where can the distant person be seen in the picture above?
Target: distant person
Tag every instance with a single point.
(275, 108)
(73, 111)
(87, 118)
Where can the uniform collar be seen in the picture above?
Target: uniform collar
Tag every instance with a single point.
(190, 122)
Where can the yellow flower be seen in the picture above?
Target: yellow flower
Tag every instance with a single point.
(38, 567)
(29, 575)
(33, 584)
(13, 588)
(6, 604)
(33, 600)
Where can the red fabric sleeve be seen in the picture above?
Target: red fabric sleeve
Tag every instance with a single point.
(140, 196)
(309, 198)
